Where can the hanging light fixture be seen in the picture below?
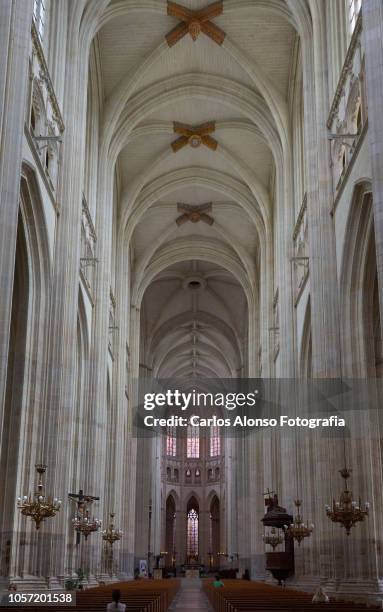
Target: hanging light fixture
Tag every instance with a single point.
(298, 530)
(346, 511)
(273, 538)
(83, 523)
(37, 506)
(111, 534)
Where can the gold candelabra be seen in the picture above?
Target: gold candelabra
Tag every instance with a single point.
(298, 530)
(111, 534)
(346, 511)
(37, 506)
(85, 524)
(273, 538)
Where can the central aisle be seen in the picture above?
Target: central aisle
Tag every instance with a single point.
(191, 597)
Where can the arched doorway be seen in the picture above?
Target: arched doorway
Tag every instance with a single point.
(192, 531)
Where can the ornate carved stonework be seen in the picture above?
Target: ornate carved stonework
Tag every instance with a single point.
(194, 136)
(45, 78)
(88, 247)
(348, 114)
(194, 214)
(195, 22)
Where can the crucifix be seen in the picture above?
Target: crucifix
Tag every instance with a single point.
(82, 500)
(194, 214)
(194, 136)
(269, 493)
(195, 22)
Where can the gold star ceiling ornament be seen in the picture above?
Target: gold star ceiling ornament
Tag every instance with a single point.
(195, 22)
(195, 136)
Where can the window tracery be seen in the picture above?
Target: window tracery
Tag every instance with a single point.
(171, 442)
(215, 442)
(192, 534)
(192, 443)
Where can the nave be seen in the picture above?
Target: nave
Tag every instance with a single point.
(191, 199)
(190, 596)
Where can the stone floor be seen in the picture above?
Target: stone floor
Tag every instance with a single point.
(191, 597)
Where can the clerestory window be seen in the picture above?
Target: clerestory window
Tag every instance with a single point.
(215, 442)
(171, 442)
(192, 442)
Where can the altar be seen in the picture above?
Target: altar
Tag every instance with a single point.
(193, 569)
(191, 573)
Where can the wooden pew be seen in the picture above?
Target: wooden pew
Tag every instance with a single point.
(138, 595)
(245, 596)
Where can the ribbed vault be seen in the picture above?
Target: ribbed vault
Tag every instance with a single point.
(194, 322)
(240, 86)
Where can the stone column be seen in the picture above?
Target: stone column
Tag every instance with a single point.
(15, 36)
(122, 395)
(61, 390)
(373, 37)
(158, 505)
(130, 457)
(99, 418)
(323, 274)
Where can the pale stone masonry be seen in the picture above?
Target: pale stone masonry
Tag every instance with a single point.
(100, 286)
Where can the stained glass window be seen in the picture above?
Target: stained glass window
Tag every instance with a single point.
(171, 442)
(215, 442)
(192, 534)
(192, 450)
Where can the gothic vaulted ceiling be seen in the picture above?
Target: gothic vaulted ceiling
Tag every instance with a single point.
(193, 98)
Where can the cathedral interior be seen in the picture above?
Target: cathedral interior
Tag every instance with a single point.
(191, 191)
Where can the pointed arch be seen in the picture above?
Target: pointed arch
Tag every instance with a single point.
(27, 360)
(358, 270)
(192, 529)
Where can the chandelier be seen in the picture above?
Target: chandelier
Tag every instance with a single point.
(83, 523)
(298, 530)
(111, 534)
(347, 512)
(273, 538)
(38, 506)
